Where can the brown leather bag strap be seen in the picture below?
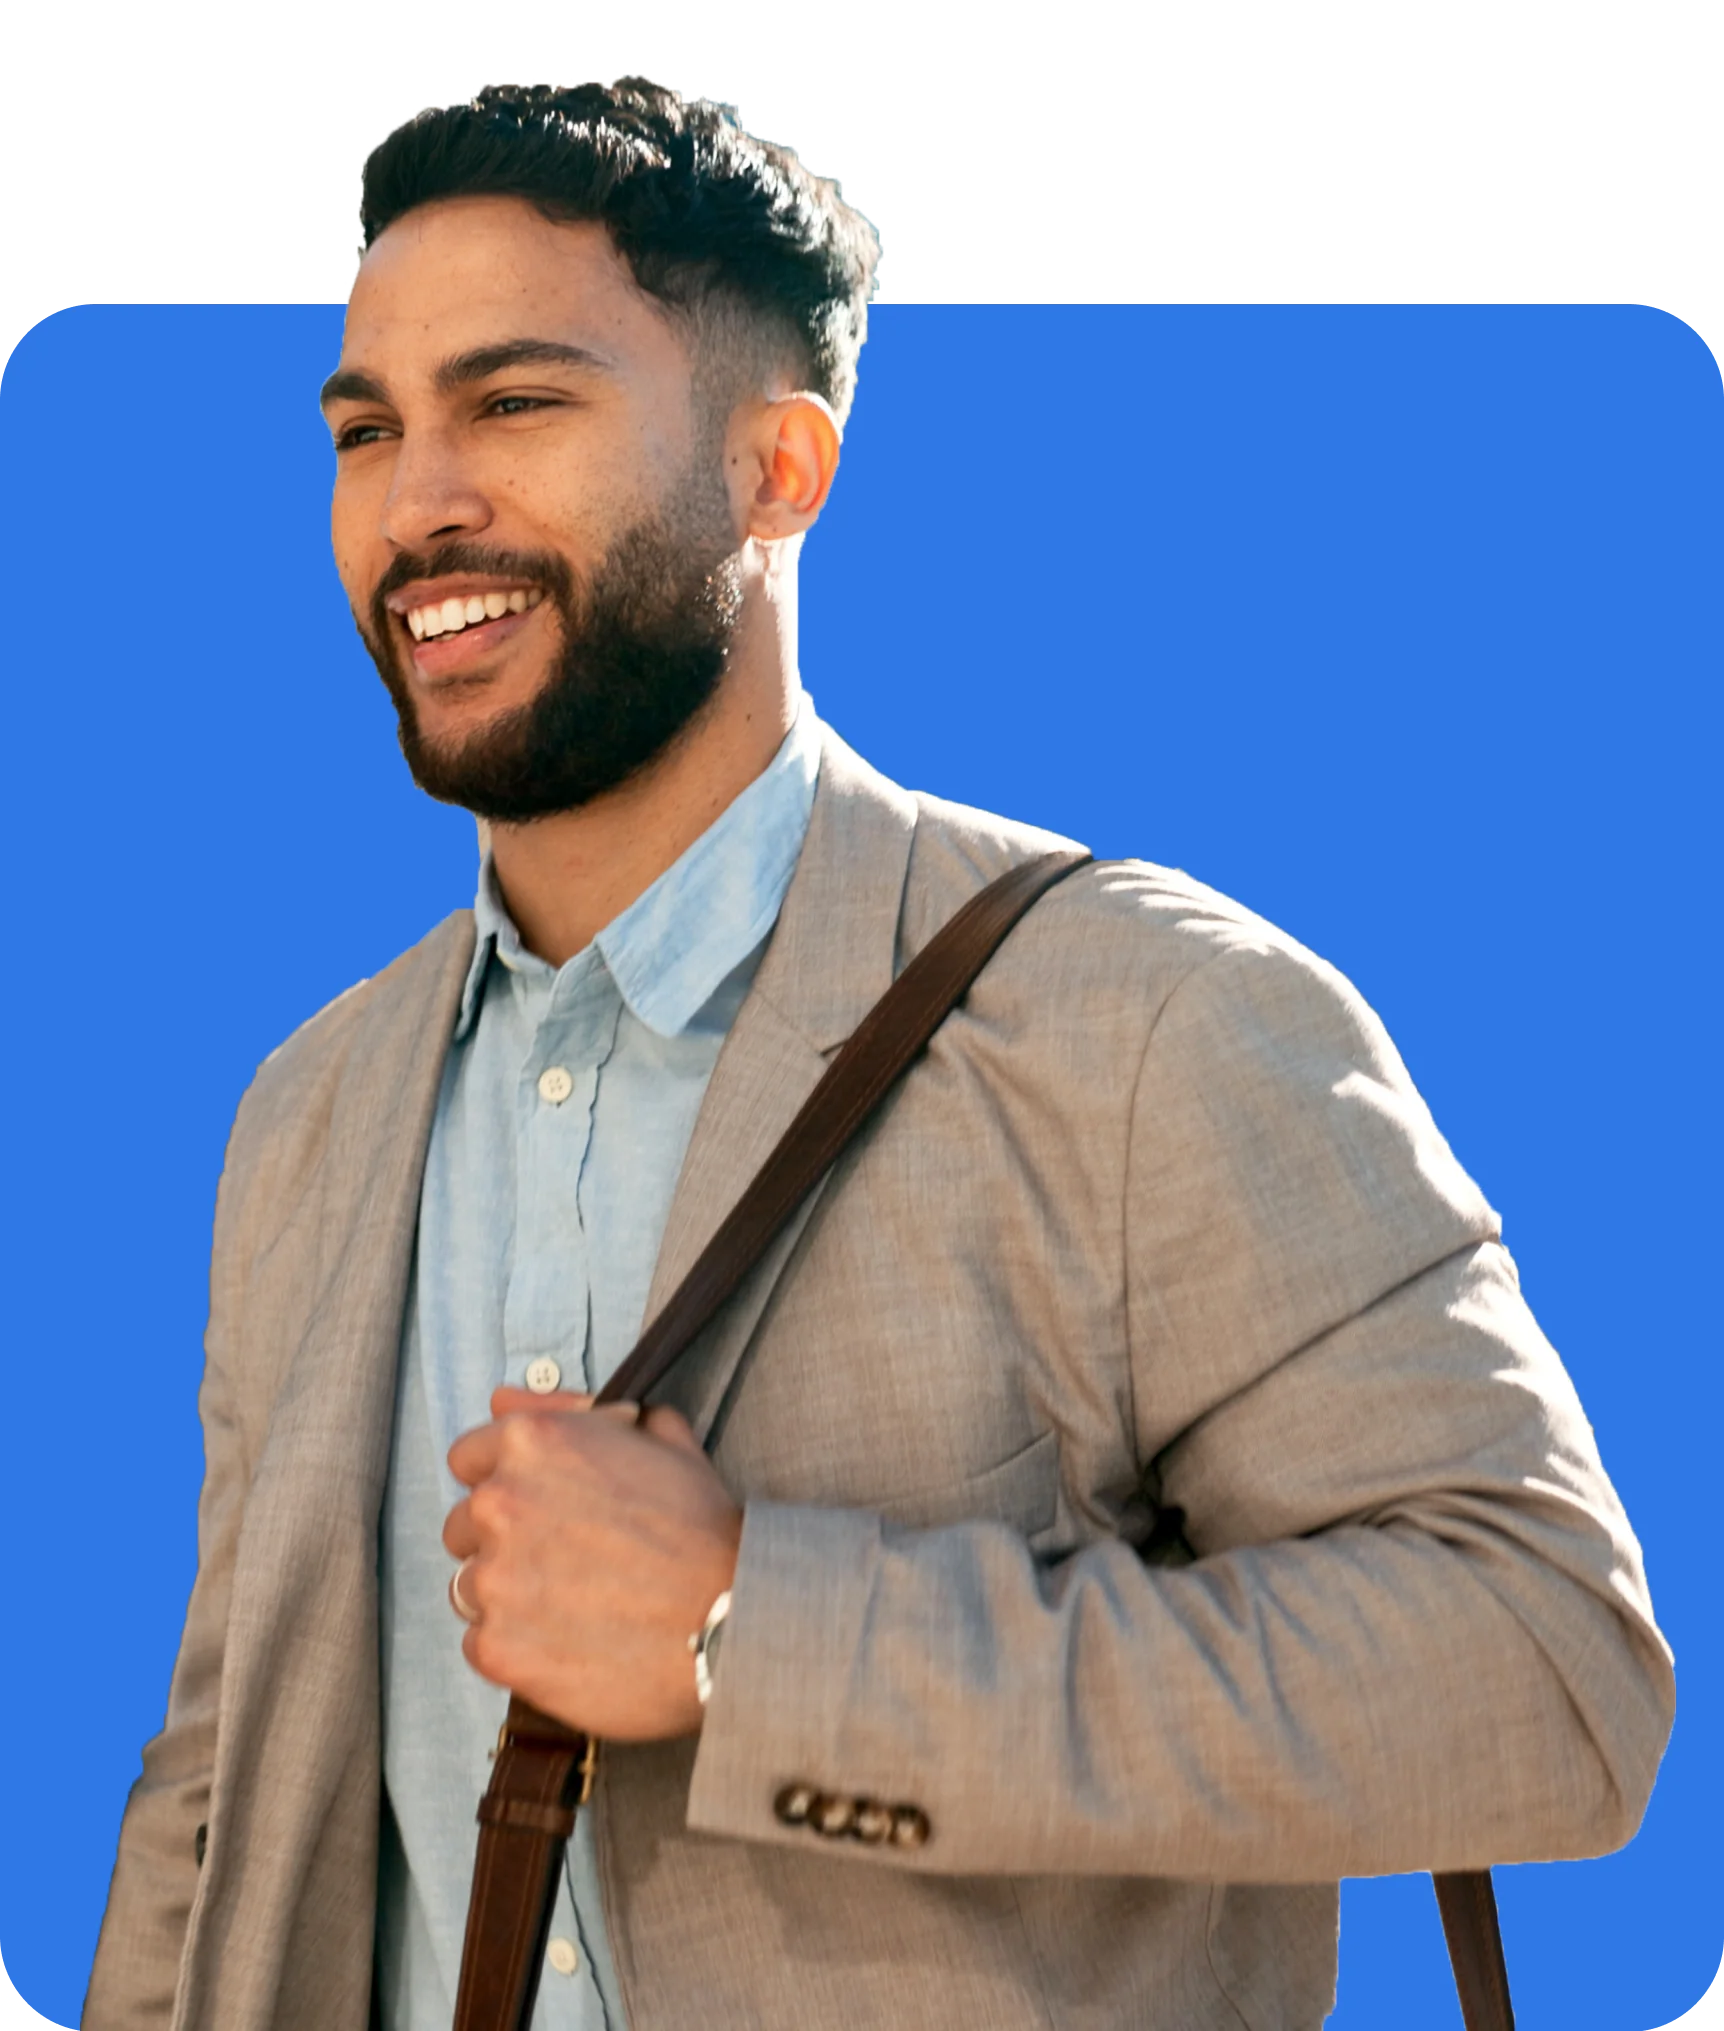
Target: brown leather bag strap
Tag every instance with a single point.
(1469, 1907)
(543, 1771)
(868, 1065)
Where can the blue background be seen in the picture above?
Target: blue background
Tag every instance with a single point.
(1402, 625)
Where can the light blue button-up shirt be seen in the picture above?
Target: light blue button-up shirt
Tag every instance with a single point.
(568, 1099)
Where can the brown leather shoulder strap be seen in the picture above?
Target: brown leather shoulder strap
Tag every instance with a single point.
(543, 1770)
(868, 1065)
(1469, 1907)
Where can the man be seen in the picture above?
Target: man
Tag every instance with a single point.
(1157, 1247)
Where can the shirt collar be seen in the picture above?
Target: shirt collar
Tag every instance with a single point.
(676, 943)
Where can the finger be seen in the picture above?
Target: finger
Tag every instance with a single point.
(473, 1456)
(460, 1537)
(510, 1402)
(672, 1427)
(507, 1400)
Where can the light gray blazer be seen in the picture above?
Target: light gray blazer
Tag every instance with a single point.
(1159, 1218)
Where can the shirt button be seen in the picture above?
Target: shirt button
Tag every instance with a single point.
(543, 1375)
(563, 1955)
(555, 1085)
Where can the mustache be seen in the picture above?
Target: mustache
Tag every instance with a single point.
(541, 567)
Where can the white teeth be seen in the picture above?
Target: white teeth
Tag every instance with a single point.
(450, 616)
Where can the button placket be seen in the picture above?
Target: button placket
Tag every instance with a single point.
(546, 1303)
(547, 1306)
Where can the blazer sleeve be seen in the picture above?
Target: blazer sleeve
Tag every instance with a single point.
(136, 1970)
(1416, 1632)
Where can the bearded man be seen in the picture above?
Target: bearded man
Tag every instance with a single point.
(1156, 1245)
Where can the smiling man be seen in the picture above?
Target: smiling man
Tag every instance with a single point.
(1131, 1495)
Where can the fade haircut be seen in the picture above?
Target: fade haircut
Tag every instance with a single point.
(762, 265)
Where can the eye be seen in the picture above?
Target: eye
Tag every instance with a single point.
(350, 437)
(517, 405)
(357, 434)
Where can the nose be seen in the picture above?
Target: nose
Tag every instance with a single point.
(431, 494)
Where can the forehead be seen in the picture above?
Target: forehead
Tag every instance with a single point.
(470, 272)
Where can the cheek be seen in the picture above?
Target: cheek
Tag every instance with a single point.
(346, 555)
(347, 536)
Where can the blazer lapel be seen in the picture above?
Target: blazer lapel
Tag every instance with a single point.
(833, 955)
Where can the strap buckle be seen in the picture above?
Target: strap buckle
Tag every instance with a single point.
(588, 1765)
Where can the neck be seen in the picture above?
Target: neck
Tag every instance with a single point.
(564, 877)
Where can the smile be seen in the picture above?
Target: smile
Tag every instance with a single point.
(457, 650)
(451, 616)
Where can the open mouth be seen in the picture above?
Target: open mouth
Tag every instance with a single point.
(457, 648)
(456, 615)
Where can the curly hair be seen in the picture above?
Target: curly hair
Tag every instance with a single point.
(763, 263)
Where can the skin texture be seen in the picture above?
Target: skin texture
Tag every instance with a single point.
(594, 1548)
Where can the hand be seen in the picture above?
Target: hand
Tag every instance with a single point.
(595, 1548)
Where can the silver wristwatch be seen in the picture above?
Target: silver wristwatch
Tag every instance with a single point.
(704, 1646)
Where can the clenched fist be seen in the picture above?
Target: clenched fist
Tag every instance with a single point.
(592, 1547)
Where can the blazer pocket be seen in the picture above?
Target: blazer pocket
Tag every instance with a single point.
(1021, 1490)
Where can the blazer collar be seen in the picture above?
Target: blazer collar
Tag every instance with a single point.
(832, 956)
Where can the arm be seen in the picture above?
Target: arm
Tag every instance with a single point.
(136, 1970)
(1416, 1634)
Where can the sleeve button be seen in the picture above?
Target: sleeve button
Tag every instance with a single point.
(794, 1803)
(832, 1815)
(873, 1821)
(910, 1828)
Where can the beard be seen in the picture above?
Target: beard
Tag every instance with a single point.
(644, 643)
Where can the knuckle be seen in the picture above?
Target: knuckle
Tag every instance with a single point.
(523, 1438)
(491, 1506)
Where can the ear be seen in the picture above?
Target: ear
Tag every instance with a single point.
(792, 456)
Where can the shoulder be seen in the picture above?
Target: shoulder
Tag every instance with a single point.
(1140, 988)
(1266, 1095)
(1118, 931)
(293, 1092)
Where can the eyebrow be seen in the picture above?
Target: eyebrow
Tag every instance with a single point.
(349, 384)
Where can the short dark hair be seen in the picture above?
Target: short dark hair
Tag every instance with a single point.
(763, 262)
